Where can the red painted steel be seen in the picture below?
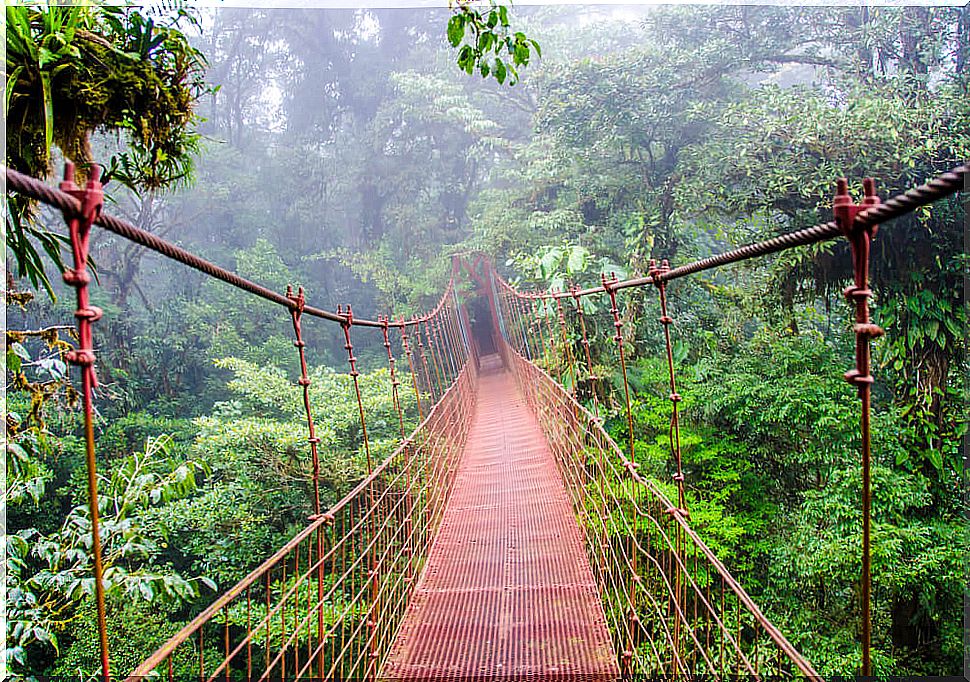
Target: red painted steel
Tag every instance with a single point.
(507, 591)
(90, 201)
(860, 241)
(672, 608)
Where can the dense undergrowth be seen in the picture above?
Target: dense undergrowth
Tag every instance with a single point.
(343, 152)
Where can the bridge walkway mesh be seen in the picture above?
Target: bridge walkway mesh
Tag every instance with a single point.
(507, 591)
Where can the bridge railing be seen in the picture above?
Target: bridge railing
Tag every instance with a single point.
(671, 606)
(328, 603)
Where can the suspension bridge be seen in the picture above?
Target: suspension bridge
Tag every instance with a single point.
(508, 536)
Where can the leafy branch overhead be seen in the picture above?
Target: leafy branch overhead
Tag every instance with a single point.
(487, 42)
(78, 70)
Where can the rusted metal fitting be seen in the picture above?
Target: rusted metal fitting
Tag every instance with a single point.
(348, 315)
(328, 517)
(676, 397)
(868, 329)
(91, 313)
(846, 210)
(857, 378)
(303, 381)
(856, 294)
(80, 357)
(656, 272)
(298, 299)
(91, 198)
(76, 278)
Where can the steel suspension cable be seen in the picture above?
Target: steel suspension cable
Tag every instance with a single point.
(938, 188)
(70, 206)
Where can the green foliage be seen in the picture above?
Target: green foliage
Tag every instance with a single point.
(773, 487)
(487, 32)
(685, 132)
(73, 70)
(49, 574)
(136, 627)
(559, 267)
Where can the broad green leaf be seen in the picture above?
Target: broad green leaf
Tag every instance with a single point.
(549, 262)
(577, 260)
(11, 84)
(456, 29)
(500, 70)
(20, 351)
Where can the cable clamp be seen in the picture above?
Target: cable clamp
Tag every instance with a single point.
(91, 313)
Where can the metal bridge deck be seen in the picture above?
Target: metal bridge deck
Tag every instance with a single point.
(507, 591)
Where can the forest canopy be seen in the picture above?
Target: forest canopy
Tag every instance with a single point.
(349, 152)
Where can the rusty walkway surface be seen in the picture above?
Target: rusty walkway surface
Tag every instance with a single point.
(507, 591)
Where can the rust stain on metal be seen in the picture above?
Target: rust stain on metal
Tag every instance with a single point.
(507, 591)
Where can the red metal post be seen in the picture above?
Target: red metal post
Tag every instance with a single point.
(608, 285)
(568, 357)
(299, 301)
(424, 360)
(79, 226)
(674, 434)
(633, 618)
(346, 324)
(296, 312)
(574, 292)
(537, 326)
(860, 241)
(391, 363)
(414, 376)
